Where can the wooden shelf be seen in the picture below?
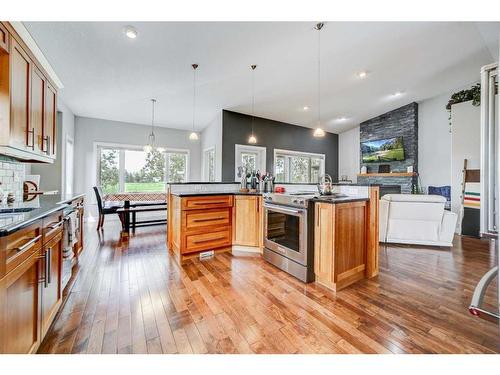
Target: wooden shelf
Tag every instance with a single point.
(395, 174)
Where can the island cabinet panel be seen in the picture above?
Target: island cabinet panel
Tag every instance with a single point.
(199, 224)
(324, 232)
(340, 243)
(19, 308)
(247, 221)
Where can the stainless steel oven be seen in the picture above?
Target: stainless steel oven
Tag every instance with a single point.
(286, 239)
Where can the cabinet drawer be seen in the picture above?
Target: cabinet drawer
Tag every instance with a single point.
(52, 226)
(21, 245)
(202, 203)
(207, 241)
(197, 219)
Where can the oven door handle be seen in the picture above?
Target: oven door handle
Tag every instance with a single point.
(282, 209)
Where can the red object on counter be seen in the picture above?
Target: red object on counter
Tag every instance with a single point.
(279, 189)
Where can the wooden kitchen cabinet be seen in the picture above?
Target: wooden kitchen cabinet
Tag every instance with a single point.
(51, 296)
(198, 224)
(4, 38)
(49, 129)
(19, 310)
(22, 135)
(37, 107)
(340, 243)
(28, 102)
(247, 221)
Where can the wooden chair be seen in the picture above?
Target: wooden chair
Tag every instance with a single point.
(105, 208)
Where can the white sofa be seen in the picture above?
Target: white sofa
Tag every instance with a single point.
(416, 219)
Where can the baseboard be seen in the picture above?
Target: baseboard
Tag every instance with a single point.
(247, 249)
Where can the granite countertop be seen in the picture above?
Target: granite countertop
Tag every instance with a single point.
(332, 200)
(208, 193)
(20, 214)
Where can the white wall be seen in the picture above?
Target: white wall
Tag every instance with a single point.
(434, 142)
(52, 176)
(211, 136)
(466, 144)
(349, 164)
(88, 131)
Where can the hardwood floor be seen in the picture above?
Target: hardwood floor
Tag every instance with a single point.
(131, 297)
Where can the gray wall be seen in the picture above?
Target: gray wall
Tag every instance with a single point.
(237, 127)
(401, 122)
(89, 131)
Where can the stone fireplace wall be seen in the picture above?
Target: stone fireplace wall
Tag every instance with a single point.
(401, 122)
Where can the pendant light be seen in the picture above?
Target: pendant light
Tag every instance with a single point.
(194, 136)
(151, 146)
(252, 139)
(319, 132)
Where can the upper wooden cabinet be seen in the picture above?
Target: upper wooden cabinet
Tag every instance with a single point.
(21, 133)
(4, 38)
(27, 102)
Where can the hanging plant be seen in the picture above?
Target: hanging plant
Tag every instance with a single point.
(474, 94)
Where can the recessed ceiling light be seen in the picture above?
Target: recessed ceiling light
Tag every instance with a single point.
(342, 119)
(362, 74)
(130, 32)
(397, 93)
(305, 108)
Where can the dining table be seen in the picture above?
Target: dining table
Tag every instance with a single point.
(138, 199)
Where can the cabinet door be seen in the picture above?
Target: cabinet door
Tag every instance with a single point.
(19, 315)
(37, 108)
(50, 129)
(246, 221)
(324, 235)
(4, 38)
(52, 285)
(21, 135)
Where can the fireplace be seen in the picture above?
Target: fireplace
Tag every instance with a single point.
(389, 189)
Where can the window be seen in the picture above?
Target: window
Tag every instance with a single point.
(209, 164)
(130, 169)
(298, 167)
(251, 157)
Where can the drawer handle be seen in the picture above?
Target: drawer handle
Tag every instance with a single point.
(28, 244)
(211, 219)
(56, 225)
(205, 203)
(209, 240)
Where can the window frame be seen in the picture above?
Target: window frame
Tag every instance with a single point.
(206, 172)
(260, 162)
(122, 147)
(288, 154)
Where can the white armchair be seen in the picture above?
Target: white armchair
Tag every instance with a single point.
(416, 219)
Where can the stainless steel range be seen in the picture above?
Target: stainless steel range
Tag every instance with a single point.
(288, 233)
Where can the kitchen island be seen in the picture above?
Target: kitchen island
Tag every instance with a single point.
(331, 240)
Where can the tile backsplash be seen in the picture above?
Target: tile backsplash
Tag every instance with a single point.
(11, 179)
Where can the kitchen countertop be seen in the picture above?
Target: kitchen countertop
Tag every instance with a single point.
(349, 198)
(13, 218)
(208, 193)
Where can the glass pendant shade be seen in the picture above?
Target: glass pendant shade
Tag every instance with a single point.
(252, 140)
(193, 136)
(318, 132)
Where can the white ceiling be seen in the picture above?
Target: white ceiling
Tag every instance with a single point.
(109, 76)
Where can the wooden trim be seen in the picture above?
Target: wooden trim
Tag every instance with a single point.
(395, 174)
(372, 243)
(4, 38)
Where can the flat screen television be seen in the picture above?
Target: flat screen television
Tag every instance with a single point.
(383, 150)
